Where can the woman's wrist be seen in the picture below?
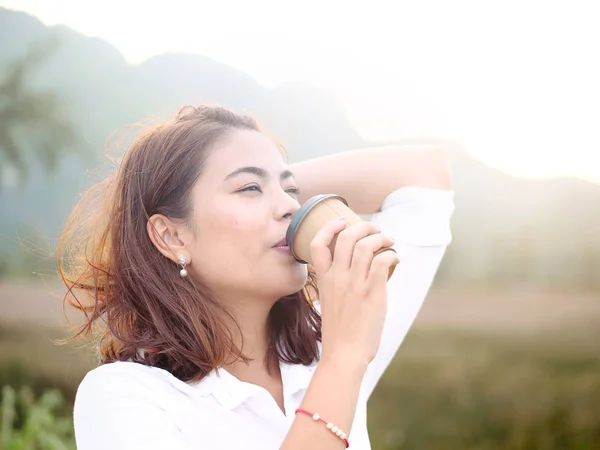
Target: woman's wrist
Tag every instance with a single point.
(344, 362)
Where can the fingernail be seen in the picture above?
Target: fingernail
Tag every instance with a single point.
(341, 218)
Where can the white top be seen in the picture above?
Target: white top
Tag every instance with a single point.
(127, 406)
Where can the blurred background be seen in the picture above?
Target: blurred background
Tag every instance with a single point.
(505, 353)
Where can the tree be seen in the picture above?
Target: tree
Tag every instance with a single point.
(33, 124)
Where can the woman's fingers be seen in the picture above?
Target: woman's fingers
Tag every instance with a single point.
(379, 270)
(319, 247)
(346, 243)
(355, 247)
(364, 252)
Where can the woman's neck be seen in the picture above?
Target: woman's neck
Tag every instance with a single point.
(250, 334)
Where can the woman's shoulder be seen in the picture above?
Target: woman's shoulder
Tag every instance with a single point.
(124, 371)
(118, 403)
(131, 378)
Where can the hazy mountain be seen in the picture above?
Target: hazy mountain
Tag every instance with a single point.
(506, 228)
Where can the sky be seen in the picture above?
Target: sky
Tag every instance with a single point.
(514, 82)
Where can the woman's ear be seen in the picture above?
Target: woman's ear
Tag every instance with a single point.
(166, 237)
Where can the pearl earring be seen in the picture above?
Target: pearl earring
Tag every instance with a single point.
(183, 261)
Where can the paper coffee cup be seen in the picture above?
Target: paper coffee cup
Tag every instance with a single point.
(312, 216)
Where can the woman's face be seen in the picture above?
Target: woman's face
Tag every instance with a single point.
(242, 205)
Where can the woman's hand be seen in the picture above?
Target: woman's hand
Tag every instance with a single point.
(352, 286)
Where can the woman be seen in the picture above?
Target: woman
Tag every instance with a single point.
(210, 337)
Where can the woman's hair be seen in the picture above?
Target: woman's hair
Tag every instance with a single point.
(132, 297)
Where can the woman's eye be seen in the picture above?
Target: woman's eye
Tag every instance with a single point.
(293, 191)
(252, 188)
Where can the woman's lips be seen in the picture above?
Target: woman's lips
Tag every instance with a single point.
(281, 243)
(283, 249)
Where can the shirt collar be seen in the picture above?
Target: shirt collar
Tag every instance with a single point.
(230, 392)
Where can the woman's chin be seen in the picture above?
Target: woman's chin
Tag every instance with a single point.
(292, 280)
(299, 276)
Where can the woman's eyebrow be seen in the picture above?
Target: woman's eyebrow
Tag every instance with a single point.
(262, 173)
(286, 174)
(259, 172)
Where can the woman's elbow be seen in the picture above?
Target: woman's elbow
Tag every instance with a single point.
(432, 170)
(441, 173)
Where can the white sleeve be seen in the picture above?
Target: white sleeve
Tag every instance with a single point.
(418, 219)
(114, 411)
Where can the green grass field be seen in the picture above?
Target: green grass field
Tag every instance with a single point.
(459, 390)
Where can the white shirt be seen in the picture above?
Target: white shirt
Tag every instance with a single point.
(129, 406)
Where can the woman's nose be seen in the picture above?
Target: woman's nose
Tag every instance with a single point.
(289, 205)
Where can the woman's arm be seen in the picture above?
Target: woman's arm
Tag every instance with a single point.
(333, 393)
(366, 177)
(408, 190)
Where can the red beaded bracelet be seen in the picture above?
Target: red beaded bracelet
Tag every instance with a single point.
(331, 427)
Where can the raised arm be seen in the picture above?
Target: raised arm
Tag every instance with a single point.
(366, 177)
(407, 188)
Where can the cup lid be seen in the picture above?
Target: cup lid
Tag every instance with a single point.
(299, 216)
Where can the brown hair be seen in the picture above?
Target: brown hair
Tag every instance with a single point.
(147, 313)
